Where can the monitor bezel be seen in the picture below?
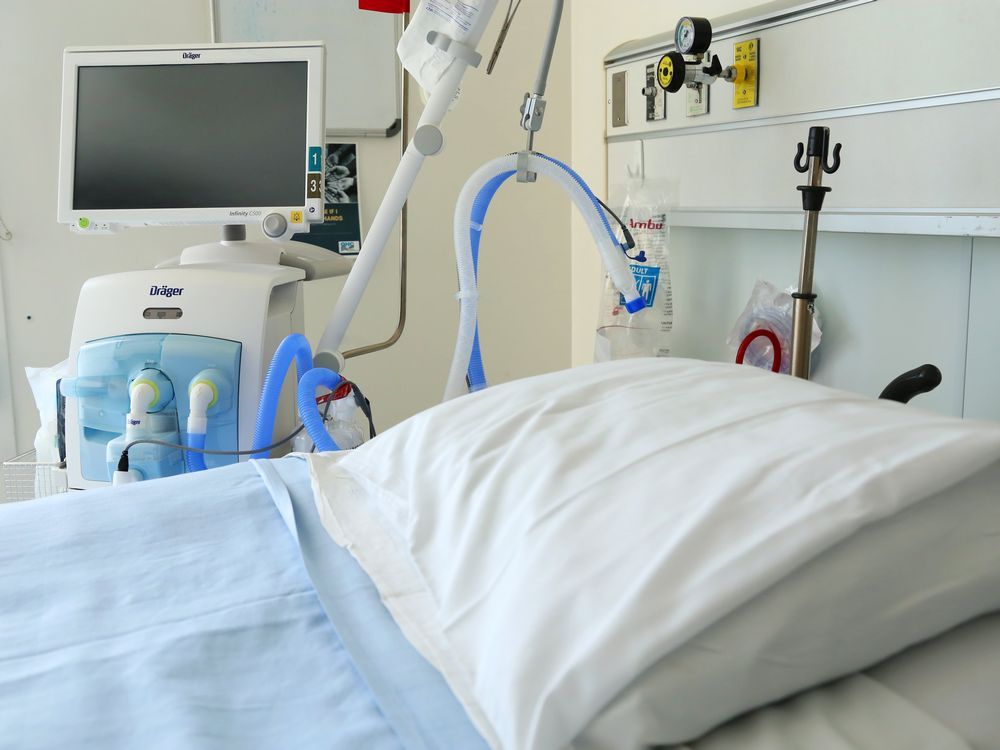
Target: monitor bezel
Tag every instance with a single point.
(310, 211)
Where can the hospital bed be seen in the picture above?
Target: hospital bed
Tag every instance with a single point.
(241, 607)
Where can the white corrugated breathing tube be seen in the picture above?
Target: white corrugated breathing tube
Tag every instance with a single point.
(466, 367)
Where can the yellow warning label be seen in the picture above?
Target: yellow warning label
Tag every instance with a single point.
(745, 56)
(296, 217)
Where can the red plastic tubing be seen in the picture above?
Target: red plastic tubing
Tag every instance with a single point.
(761, 333)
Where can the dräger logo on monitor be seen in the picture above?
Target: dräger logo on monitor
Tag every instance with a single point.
(165, 291)
(191, 55)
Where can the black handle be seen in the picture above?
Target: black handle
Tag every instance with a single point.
(715, 69)
(924, 379)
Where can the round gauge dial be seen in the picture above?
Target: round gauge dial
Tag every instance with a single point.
(670, 72)
(693, 36)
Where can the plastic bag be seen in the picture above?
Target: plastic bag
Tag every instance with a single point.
(647, 333)
(769, 309)
(455, 19)
(43, 387)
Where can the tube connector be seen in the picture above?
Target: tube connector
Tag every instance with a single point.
(151, 391)
(635, 305)
(202, 396)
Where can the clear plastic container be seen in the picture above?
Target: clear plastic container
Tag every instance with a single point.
(648, 332)
(341, 425)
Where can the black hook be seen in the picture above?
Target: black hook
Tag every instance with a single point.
(831, 168)
(799, 165)
(819, 147)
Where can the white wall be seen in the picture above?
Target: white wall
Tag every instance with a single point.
(595, 31)
(526, 255)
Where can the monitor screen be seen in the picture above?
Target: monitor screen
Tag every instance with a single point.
(190, 136)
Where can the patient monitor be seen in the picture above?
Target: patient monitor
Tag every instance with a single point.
(225, 135)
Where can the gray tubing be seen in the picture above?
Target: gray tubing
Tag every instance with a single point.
(549, 49)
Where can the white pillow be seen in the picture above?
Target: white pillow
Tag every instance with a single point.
(548, 542)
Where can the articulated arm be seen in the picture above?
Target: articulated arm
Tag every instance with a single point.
(427, 141)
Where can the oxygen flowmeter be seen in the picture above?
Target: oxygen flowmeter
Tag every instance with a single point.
(694, 66)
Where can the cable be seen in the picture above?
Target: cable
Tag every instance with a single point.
(366, 408)
(166, 444)
(629, 239)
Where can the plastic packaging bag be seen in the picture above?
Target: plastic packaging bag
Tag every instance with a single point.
(43, 387)
(769, 309)
(648, 332)
(450, 17)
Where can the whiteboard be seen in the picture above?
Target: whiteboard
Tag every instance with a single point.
(362, 73)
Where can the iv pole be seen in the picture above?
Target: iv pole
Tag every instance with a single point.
(813, 195)
(404, 240)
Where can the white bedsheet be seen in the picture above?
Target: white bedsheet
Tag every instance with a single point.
(941, 695)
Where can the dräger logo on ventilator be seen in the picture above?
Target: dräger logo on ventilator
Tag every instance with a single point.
(165, 291)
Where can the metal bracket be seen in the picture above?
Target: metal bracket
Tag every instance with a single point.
(523, 173)
(459, 51)
(532, 113)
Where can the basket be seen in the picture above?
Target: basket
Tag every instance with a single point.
(24, 478)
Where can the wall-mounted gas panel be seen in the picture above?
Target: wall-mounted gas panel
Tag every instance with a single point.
(832, 55)
(917, 111)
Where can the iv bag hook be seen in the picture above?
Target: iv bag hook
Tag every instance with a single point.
(819, 146)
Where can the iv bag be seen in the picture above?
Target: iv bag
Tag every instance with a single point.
(648, 332)
(449, 17)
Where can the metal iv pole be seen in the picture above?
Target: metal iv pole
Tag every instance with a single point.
(816, 164)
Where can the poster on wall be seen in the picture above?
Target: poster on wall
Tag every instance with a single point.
(341, 227)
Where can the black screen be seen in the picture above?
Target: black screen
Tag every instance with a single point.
(191, 136)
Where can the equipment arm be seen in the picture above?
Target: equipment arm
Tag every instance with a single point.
(427, 141)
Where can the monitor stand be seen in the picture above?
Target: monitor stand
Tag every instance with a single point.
(234, 248)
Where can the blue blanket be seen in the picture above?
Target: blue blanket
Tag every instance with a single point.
(207, 610)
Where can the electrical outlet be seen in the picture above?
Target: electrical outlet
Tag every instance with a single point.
(698, 100)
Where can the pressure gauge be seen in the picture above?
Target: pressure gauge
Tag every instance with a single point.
(670, 72)
(693, 36)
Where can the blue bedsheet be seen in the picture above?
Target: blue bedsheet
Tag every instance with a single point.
(200, 611)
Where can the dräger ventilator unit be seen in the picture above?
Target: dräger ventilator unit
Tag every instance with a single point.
(170, 363)
(226, 135)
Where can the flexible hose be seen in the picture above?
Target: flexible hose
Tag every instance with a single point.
(480, 207)
(294, 348)
(195, 461)
(474, 201)
(309, 411)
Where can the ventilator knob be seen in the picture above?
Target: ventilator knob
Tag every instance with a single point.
(274, 225)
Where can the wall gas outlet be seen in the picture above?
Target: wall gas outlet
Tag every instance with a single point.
(746, 85)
